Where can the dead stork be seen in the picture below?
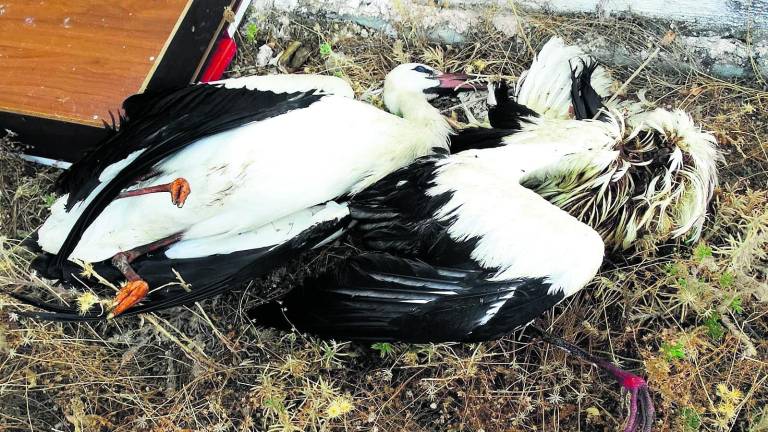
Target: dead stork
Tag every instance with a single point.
(471, 246)
(462, 250)
(662, 157)
(234, 156)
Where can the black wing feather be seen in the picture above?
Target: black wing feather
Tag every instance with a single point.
(396, 215)
(507, 113)
(506, 118)
(379, 297)
(586, 102)
(476, 138)
(147, 114)
(207, 276)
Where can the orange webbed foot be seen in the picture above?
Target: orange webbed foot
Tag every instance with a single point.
(179, 190)
(130, 294)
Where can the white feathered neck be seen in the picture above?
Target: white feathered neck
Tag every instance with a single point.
(422, 130)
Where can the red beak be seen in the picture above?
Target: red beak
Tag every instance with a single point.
(458, 82)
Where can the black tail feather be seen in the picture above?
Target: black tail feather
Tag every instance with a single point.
(40, 304)
(60, 316)
(54, 312)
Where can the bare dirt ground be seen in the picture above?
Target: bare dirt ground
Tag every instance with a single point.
(692, 318)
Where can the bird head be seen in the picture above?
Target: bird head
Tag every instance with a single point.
(657, 186)
(426, 82)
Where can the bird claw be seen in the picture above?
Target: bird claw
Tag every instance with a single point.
(179, 190)
(130, 294)
(641, 409)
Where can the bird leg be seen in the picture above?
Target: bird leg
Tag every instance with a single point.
(136, 288)
(179, 190)
(641, 410)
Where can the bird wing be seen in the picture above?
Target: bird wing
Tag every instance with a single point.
(549, 86)
(380, 297)
(562, 79)
(187, 272)
(506, 113)
(396, 215)
(448, 210)
(292, 83)
(506, 117)
(155, 126)
(477, 256)
(475, 138)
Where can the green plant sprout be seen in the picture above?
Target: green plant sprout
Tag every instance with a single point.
(251, 31)
(384, 348)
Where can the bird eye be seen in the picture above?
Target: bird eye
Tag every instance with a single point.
(422, 69)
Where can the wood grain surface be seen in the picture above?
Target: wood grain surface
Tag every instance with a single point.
(76, 60)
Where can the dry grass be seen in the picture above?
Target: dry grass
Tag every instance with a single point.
(693, 317)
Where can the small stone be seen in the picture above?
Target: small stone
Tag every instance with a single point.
(264, 55)
(299, 57)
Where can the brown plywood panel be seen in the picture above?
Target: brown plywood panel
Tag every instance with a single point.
(76, 60)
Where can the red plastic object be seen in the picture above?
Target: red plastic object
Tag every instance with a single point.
(220, 59)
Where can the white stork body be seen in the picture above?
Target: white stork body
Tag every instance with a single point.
(251, 175)
(251, 165)
(478, 210)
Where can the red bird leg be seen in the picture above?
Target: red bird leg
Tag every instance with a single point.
(136, 288)
(641, 410)
(179, 190)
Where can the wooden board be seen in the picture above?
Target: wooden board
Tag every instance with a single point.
(66, 64)
(72, 60)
